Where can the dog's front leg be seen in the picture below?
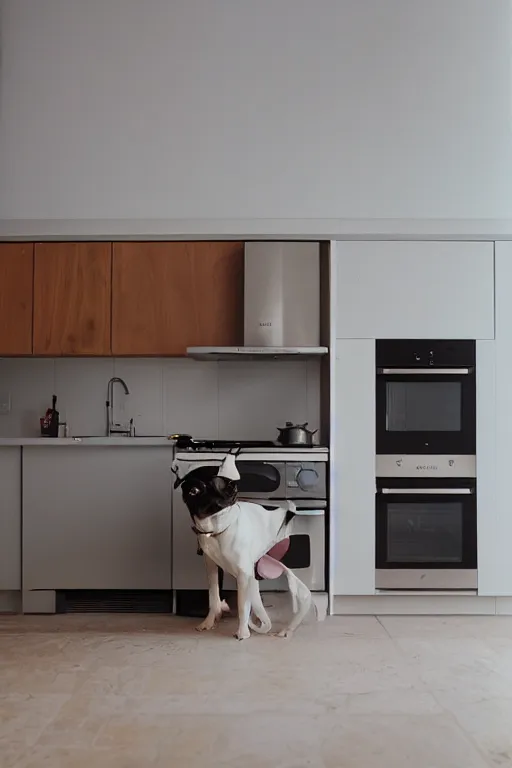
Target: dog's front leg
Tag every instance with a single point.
(215, 605)
(244, 582)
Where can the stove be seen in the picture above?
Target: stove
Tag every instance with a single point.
(272, 475)
(188, 443)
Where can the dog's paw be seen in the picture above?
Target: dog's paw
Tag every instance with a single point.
(242, 634)
(284, 633)
(206, 625)
(211, 620)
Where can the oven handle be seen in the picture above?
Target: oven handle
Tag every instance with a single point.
(425, 371)
(428, 491)
(303, 507)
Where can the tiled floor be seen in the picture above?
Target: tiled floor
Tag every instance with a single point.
(131, 692)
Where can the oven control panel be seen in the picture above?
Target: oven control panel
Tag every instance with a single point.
(305, 479)
(425, 465)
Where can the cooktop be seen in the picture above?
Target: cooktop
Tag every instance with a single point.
(188, 443)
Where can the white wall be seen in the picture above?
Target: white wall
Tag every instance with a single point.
(193, 109)
(227, 400)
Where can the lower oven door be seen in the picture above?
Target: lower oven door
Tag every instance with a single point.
(306, 555)
(426, 534)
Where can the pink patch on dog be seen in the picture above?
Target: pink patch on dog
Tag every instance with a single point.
(280, 549)
(268, 566)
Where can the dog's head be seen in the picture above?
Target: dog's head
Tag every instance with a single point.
(205, 493)
(208, 489)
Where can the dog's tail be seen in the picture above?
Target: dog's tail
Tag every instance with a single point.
(263, 628)
(301, 599)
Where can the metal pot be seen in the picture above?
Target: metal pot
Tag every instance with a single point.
(296, 434)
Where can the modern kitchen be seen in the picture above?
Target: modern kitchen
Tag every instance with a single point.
(382, 439)
(279, 231)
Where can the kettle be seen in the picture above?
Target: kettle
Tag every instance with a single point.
(296, 434)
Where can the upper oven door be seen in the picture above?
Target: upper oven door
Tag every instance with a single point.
(259, 479)
(426, 410)
(426, 397)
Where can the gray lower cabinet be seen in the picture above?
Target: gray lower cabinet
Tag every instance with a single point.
(96, 517)
(10, 519)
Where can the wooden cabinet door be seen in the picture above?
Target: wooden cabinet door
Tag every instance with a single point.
(72, 298)
(16, 296)
(167, 296)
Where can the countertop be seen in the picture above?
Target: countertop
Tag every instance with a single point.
(48, 442)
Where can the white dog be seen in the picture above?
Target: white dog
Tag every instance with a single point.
(235, 535)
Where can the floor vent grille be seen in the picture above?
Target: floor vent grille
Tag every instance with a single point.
(114, 601)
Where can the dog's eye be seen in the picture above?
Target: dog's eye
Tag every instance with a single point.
(193, 491)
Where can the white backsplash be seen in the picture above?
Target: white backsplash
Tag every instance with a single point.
(245, 400)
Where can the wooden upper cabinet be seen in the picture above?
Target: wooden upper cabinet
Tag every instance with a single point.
(168, 296)
(72, 298)
(16, 296)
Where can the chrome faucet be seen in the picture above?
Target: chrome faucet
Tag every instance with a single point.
(112, 427)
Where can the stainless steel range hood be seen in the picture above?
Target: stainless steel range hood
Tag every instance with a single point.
(281, 305)
(254, 353)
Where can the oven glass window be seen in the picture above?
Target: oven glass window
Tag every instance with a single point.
(423, 406)
(299, 553)
(258, 477)
(425, 532)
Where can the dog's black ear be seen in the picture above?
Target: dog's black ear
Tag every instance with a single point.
(177, 482)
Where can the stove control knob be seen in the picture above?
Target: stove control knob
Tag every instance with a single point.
(307, 479)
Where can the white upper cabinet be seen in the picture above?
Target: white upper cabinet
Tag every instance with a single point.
(415, 290)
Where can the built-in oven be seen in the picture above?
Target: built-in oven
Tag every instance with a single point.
(425, 400)
(426, 533)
